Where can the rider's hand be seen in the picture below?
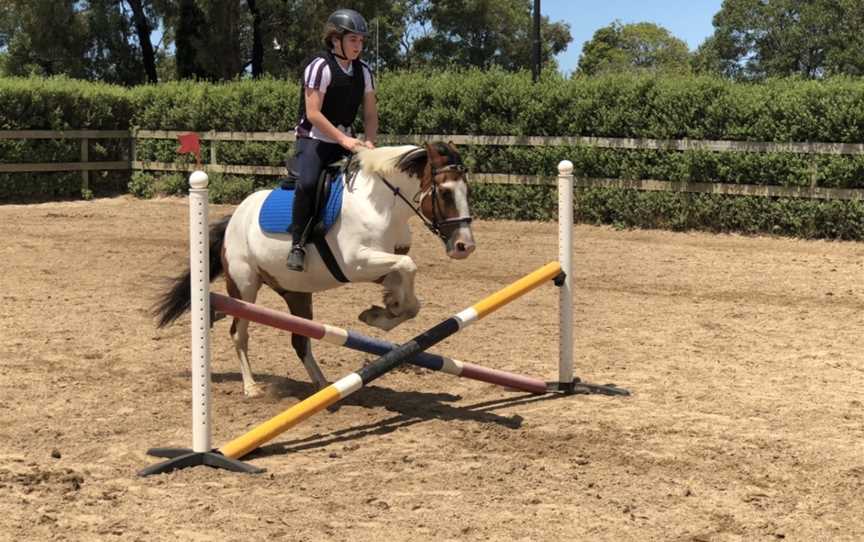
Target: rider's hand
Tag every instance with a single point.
(350, 143)
(368, 144)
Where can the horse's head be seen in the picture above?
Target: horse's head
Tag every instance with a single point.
(443, 196)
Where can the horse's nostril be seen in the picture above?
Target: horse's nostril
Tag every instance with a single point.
(464, 248)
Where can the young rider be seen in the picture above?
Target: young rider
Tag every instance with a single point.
(335, 84)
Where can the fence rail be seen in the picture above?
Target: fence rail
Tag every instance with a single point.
(84, 165)
(811, 148)
(65, 134)
(551, 141)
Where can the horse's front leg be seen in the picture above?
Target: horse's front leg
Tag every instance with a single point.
(397, 277)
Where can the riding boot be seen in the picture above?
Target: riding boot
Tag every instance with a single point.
(301, 216)
(296, 257)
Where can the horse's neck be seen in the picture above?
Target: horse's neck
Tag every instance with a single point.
(374, 189)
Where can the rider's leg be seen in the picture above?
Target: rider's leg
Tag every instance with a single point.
(308, 165)
(312, 155)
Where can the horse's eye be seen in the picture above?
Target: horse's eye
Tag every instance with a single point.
(448, 197)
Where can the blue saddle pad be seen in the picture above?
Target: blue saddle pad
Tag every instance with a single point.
(275, 215)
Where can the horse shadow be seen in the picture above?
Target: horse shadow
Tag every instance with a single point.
(409, 408)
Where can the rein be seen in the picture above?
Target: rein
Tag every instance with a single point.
(436, 223)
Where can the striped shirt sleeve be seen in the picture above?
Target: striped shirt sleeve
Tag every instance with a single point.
(317, 75)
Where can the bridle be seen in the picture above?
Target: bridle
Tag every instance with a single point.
(436, 223)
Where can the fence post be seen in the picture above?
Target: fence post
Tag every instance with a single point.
(133, 148)
(814, 172)
(85, 174)
(212, 147)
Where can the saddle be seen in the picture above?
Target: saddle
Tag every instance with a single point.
(323, 188)
(276, 211)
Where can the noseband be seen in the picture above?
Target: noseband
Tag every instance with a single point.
(436, 223)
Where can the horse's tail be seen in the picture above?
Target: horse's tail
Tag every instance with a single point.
(177, 300)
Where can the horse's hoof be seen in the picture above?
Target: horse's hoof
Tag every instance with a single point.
(372, 314)
(255, 390)
(376, 316)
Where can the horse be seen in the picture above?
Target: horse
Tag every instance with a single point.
(369, 241)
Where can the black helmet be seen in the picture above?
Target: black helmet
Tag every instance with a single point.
(349, 21)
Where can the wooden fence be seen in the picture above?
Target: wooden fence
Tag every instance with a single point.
(812, 191)
(85, 166)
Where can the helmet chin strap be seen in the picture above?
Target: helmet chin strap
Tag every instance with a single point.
(341, 46)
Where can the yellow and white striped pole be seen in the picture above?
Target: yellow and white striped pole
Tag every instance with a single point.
(347, 385)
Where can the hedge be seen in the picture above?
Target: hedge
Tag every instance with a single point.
(497, 103)
(60, 104)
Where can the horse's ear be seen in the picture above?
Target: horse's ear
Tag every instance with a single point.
(452, 147)
(432, 151)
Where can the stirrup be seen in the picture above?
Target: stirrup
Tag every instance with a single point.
(296, 258)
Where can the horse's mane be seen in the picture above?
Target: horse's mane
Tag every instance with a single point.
(389, 160)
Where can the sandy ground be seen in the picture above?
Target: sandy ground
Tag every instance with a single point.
(744, 356)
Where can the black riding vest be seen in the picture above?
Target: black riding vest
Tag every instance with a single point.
(344, 95)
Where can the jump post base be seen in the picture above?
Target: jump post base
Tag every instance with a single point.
(577, 386)
(182, 458)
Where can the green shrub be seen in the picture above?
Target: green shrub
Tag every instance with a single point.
(841, 220)
(230, 189)
(142, 185)
(489, 102)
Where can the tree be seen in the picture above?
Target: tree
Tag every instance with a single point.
(224, 45)
(110, 40)
(111, 54)
(208, 38)
(293, 30)
(257, 60)
(482, 33)
(33, 50)
(224, 39)
(188, 36)
(93, 39)
(754, 39)
(633, 47)
(143, 30)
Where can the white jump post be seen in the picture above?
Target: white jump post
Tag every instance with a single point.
(202, 452)
(565, 258)
(567, 383)
(199, 260)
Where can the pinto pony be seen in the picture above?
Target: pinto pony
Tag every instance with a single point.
(384, 188)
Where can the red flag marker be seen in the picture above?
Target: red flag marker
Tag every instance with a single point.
(190, 143)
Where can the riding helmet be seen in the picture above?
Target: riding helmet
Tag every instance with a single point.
(349, 21)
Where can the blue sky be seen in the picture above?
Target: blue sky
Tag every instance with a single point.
(689, 20)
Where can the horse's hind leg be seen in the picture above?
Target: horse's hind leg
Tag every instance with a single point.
(240, 333)
(300, 304)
